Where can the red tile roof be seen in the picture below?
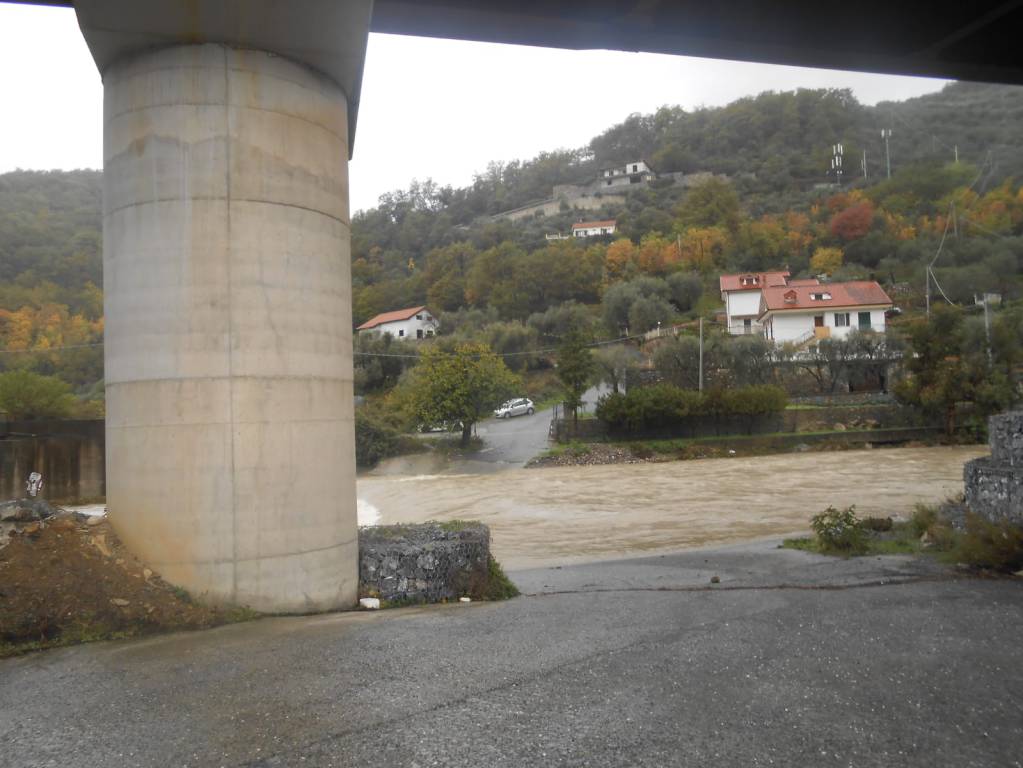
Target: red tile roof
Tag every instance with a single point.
(805, 281)
(734, 282)
(860, 293)
(390, 317)
(594, 224)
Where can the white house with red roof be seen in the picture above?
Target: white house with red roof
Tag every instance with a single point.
(411, 323)
(799, 312)
(741, 294)
(594, 228)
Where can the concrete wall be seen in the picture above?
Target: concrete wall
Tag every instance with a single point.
(230, 444)
(742, 303)
(552, 207)
(69, 454)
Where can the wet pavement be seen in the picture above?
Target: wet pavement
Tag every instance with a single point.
(792, 660)
(577, 514)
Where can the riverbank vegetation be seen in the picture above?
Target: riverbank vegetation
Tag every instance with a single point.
(963, 537)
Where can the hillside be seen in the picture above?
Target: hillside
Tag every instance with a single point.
(770, 203)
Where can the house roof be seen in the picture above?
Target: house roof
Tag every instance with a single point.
(594, 224)
(390, 317)
(804, 281)
(734, 282)
(859, 293)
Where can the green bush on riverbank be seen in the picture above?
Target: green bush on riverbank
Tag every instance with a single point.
(664, 406)
(980, 543)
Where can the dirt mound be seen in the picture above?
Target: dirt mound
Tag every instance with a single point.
(69, 579)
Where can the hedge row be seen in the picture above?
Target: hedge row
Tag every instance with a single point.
(664, 406)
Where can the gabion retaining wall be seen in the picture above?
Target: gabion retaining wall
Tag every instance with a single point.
(994, 484)
(423, 563)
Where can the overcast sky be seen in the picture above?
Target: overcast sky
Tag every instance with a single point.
(435, 109)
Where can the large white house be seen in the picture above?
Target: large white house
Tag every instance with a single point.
(637, 172)
(411, 323)
(741, 294)
(594, 228)
(799, 313)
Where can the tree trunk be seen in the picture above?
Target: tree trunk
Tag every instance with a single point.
(466, 434)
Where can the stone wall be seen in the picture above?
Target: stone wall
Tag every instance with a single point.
(994, 484)
(423, 563)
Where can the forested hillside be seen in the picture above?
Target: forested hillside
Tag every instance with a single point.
(51, 277)
(774, 205)
(767, 200)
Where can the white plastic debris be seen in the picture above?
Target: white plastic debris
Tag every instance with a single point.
(370, 603)
(465, 599)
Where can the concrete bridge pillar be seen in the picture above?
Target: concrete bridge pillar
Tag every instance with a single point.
(230, 444)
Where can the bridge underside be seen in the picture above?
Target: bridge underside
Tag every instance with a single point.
(227, 128)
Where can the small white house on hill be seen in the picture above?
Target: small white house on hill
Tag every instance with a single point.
(798, 313)
(411, 323)
(594, 228)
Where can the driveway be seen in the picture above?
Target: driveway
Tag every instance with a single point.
(515, 441)
(793, 660)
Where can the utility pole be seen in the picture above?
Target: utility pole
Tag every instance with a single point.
(956, 148)
(886, 134)
(987, 331)
(836, 162)
(701, 354)
(863, 163)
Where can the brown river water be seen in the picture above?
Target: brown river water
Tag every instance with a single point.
(556, 515)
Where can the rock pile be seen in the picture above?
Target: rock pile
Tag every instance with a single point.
(23, 516)
(994, 484)
(423, 563)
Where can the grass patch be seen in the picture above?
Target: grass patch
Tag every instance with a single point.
(499, 586)
(571, 448)
(456, 526)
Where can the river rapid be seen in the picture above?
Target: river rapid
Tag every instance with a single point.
(559, 515)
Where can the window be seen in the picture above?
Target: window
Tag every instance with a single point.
(401, 332)
(429, 331)
(635, 168)
(820, 296)
(841, 319)
(747, 325)
(419, 317)
(864, 321)
(419, 333)
(609, 182)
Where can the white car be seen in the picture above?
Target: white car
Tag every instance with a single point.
(522, 406)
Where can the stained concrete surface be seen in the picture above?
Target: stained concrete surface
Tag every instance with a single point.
(633, 663)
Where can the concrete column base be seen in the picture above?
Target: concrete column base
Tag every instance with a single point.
(230, 444)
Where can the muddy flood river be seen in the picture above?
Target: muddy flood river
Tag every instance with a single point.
(558, 515)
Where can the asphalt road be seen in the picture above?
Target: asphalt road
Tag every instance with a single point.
(792, 660)
(515, 441)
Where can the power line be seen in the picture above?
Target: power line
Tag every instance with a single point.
(545, 350)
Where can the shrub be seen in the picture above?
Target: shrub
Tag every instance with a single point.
(374, 440)
(923, 518)
(838, 530)
(27, 395)
(985, 544)
(664, 406)
(877, 524)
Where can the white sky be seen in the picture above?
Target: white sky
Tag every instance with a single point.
(438, 109)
